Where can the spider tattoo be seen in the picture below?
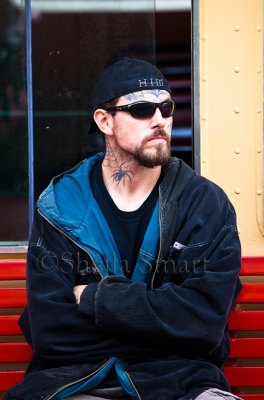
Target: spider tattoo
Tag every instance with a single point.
(120, 174)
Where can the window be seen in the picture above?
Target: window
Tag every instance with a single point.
(70, 43)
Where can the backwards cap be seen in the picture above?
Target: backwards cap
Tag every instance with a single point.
(127, 76)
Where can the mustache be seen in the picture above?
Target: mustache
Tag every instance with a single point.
(158, 133)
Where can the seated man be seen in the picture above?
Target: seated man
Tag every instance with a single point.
(133, 262)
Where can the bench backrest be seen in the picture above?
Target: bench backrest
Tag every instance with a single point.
(245, 367)
(14, 351)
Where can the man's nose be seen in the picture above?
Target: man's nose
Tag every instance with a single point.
(158, 119)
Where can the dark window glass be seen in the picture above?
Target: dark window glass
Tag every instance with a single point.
(13, 125)
(72, 41)
(173, 54)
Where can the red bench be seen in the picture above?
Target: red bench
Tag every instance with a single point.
(14, 352)
(244, 369)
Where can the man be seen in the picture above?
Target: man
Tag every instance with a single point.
(133, 262)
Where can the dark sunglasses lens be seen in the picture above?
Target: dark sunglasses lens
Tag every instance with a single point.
(142, 110)
(167, 109)
(147, 110)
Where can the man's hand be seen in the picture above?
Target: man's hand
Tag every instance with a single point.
(77, 290)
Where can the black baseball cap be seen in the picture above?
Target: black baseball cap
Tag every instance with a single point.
(127, 76)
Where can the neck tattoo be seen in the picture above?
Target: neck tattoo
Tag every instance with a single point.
(120, 173)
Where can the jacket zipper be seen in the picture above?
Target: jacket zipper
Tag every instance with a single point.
(157, 261)
(79, 380)
(73, 241)
(138, 395)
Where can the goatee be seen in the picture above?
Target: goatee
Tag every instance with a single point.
(160, 157)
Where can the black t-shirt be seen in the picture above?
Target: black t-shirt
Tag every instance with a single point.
(128, 227)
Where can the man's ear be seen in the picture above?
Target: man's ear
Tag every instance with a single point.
(104, 121)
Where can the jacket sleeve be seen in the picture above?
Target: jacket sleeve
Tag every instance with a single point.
(191, 308)
(51, 322)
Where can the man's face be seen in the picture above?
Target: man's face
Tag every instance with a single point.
(147, 140)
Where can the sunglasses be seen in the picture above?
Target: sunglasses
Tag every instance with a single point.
(144, 109)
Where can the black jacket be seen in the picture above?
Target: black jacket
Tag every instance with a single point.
(172, 334)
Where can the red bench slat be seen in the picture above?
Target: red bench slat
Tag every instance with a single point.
(251, 293)
(246, 320)
(247, 347)
(12, 269)
(10, 378)
(252, 396)
(9, 325)
(15, 352)
(252, 266)
(245, 376)
(10, 297)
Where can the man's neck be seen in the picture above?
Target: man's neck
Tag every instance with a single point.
(128, 183)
